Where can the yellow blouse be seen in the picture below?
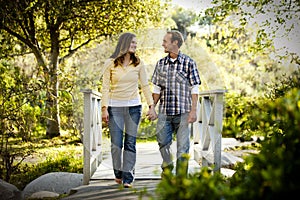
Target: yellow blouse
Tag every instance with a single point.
(121, 83)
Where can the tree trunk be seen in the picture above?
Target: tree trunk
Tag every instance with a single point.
(53, 119)
(52, 106)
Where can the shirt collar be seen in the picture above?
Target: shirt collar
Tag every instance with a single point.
(178, 59)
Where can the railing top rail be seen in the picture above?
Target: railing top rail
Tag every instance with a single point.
(210, 92)
(94, 92)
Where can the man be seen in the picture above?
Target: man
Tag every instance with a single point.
(176, 86)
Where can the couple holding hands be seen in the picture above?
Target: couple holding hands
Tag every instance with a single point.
(175, 91)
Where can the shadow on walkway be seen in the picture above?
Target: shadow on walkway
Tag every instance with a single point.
(108, 189)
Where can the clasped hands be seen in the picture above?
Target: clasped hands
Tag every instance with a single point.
(151, 114)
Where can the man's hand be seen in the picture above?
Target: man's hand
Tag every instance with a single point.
(192, 117)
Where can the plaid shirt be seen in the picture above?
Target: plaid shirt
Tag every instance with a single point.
(175, 80)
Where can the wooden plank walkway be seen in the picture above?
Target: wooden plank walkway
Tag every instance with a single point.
(148, 163)
(103, 186)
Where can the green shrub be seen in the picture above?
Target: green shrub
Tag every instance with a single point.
(66, 160)
(201, 185)
(237, 122)
(274, 172)
(19, 116)
(146, 130)
(286, 83)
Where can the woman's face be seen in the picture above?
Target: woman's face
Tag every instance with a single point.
(133, 44)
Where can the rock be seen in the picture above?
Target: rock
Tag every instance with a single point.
(43, 194)
(9, 191)
(57, 182)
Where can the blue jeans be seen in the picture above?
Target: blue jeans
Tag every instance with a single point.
(167, 125)
(123, 123)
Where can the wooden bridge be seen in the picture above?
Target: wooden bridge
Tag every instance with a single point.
(205, 147)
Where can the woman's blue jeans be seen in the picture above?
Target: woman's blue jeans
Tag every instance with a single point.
(166, 126)
(123, 125)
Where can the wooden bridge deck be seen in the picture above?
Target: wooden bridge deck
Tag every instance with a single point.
(148, 163)
(103, 186)
(207, 134)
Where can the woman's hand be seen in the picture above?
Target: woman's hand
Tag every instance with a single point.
(105, 115)
(151, 114)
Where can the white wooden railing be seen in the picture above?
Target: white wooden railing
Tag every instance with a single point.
(92, 135)
(207, 132)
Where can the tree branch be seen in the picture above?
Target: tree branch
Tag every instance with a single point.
(72, 51)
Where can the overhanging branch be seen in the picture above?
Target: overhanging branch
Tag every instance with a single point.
(72, 51)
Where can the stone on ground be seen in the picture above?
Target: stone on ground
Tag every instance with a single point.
(57, 182)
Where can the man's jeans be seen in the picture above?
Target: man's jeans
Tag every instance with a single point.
(124, 120)
(167, 125)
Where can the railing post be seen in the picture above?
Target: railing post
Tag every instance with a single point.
(208, 130)
(92, 135)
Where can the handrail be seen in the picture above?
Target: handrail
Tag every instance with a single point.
(92, 137)
(207, 132)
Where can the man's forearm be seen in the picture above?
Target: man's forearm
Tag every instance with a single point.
(195, 100)
(155, 98)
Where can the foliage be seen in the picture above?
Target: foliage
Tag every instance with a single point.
(67, 159)
(19, 116)
(274, 18)
(273, 173)
(147, 129)
(237, 121)
(241, 69)
(183, 18)
(54, 30)
(75, 22)
(246, 35)
(270, 174)
(200, 185)
(284, 84)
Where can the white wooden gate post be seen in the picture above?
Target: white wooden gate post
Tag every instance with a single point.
(207, 132)
(92, 136)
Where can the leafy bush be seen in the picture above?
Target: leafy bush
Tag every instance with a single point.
(271, 174)
(201, 185)
(239, 117)
(274, 172)
(237, 122)
(286, 83)
(56, 161)
(19, 116)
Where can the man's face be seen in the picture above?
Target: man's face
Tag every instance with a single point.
(168, 45)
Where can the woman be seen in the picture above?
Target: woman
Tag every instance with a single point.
(122, 107)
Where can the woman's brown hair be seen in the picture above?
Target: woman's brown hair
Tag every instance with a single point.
(122, 48)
